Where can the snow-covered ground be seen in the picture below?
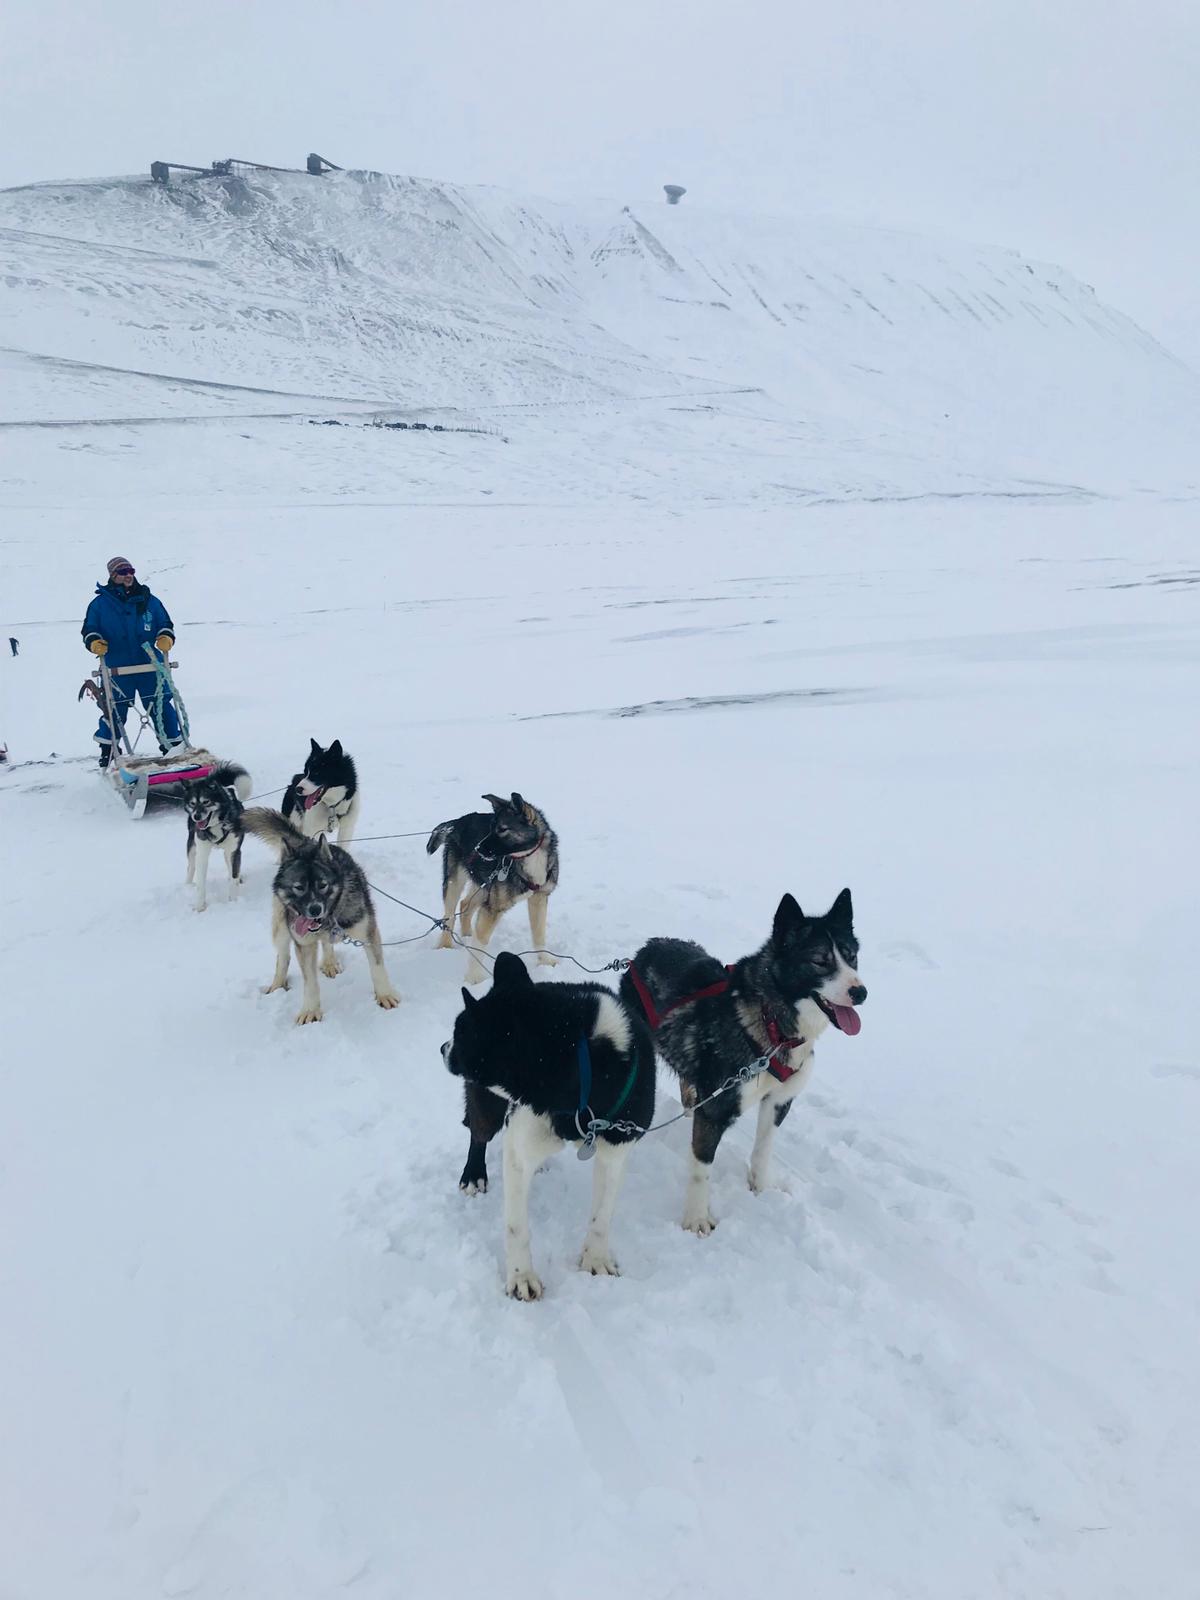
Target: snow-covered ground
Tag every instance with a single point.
(254, 1343)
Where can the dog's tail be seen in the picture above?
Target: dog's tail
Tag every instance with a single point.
(273, 828)
(438, 837)
(232, 776)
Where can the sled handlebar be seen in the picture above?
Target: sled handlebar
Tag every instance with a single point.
(121, 672)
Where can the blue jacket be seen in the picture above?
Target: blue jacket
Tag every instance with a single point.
(127, 619)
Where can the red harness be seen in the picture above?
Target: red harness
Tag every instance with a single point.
(779, 1045)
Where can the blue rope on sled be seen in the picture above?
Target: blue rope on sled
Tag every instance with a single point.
(163, 681)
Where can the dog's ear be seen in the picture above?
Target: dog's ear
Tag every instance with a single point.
(335, 749)
(842, 910)
(511, 972)
(788, 917)
(323, 850)
(495, 801)
(469, 999)
(516, 802)
(316, 748)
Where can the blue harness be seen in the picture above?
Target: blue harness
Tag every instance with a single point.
(588, 1132)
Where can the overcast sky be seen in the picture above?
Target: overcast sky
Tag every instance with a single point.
(1069, 130)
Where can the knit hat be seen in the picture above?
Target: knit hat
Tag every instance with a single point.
(119, 561)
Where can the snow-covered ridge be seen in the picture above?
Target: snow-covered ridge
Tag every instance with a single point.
(390, 291)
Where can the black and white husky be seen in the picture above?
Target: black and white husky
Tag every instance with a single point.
(543, 1059)
(320, 897)
(214, 817)
(325, 795)
(710, 1021)
(493, 861)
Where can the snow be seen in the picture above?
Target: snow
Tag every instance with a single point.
(255, 1342)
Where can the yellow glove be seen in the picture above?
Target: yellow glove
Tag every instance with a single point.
(163, 642)
(98, 647)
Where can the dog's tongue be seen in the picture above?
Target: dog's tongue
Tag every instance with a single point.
(310, 800)
(847, 1018)
(306, 925)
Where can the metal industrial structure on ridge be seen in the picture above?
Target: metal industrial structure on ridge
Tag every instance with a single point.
(160, 171)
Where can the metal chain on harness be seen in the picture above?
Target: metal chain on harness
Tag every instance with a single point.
(599, 1125)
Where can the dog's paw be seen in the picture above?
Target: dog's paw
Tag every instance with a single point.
(444, 942)
(201, 906)
(389, 999)
(309, 1014)
(272, 986)
(524, 1284)
(472, 1186)
(599, 1263)
(701, 1224)
(760, 1182)
(545, 959)
(476, 974)
(331, 967)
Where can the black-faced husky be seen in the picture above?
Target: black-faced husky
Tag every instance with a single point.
(710, 1021)
(214, 812)
(325, 795)
(492, 862)
(321, 896)
(546, 1058)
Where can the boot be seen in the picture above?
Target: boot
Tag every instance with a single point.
(105, 756)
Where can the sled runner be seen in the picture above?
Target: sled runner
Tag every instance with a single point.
(139, 778)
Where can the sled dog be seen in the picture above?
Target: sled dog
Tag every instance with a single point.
(325, 795)
(530, 1055)
(321, 896)
(214, 822)
(710, 1020)
(492, 862)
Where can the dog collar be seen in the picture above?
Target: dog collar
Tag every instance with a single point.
(521, 855)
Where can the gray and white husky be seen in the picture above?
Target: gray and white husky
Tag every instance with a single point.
(320, 896)
(325, 795)
(492, 862)
(709, 1021)
(214, 812)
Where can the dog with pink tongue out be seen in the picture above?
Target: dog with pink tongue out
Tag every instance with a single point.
(320, 898)
(325, 796)
(710, 1022)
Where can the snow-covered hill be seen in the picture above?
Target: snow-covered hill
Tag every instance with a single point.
(803, 360)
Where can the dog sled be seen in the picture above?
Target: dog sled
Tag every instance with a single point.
(139, 779)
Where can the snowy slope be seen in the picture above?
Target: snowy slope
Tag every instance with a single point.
(804, 360)
(253, 1342)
